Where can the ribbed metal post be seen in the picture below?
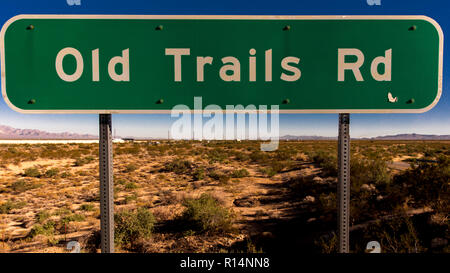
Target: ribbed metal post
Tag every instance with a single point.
(106, 184)
(343, 189)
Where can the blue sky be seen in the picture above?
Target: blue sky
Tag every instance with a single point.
(435, 121)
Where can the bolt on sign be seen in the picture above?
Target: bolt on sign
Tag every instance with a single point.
(149, 64)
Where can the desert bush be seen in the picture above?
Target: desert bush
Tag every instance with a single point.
(241, 156)
(198, 174)
(51, 172)
(364, 171)
(328, 202)
(268, 171)
(87, 207)
(42, 216)
(130, 168)
(130, 198)
(259, 157)
(284, 154)
(120, 181)
(221, 177)
(178, 166)
(63, 211)
(279, 166)
(32, 172)
(374, 174)
(130, 226)
(53, 241)
(22, 186)
(327, 162)
(327, 243)
(130, 186)
(9, 205)
(65, 174)
(82, 161)
(135, 149)
(425, 184)
(240, 173)
(205, 214)
(46, 229)
(72, 218)
(216, 155)
(397, 235)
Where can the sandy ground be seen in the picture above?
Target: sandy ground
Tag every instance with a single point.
(257, 200)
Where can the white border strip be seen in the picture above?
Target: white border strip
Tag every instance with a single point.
(230, 17)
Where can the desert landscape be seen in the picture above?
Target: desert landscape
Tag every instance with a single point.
(226, 196)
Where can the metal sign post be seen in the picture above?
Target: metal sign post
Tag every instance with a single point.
(106, 184)
(343, 189)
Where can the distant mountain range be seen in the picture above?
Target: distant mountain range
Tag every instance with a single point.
(411, 137)
(388, 137)
(291, 137)
(8, 132)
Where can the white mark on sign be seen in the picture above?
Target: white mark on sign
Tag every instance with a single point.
(391, 99)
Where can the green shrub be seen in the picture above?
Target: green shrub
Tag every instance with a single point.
(327, 202)
(365, 171)
(133, 150)
(426, 184)
(82, 161)
(284, 154)
(240, 156)
(42, 216)
(51, 172)
(73, 218)
(259, 157)
(221, 177)
(178, 166)
(130, 226)
(198, 174)
(397, 235)
(240, 173)
(22, 186)
(52, 241)
(45, 229)
(216, 155)
(130, 186)
(130, 198)
(65, 174)
(275, 167)
(327, 244)
(10, 205)
(204, 214)
(87, 207)
(120, 181)
(32, 172)
(63, 211)
(268, 171)
(327, 162)
(130, 168)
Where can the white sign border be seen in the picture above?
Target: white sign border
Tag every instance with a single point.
(230, 17)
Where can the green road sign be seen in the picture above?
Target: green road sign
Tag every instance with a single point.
(149, 64)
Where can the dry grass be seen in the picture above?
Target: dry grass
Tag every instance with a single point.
(51, 191)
